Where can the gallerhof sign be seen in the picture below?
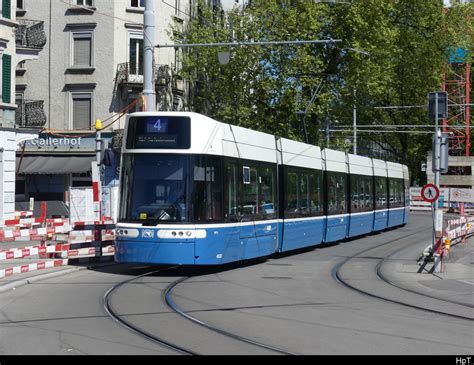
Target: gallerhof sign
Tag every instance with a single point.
(55, 142)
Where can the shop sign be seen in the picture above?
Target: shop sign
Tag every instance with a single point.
(55, 142)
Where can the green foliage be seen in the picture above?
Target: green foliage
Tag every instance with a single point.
(392, 54)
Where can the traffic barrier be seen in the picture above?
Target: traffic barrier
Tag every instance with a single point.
(457, 231)
(34, 234)
(59, 239)
(9, 271)
(23, 214)
(64, 249)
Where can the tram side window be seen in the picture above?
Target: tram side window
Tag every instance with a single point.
(396, 193)
(207, 194)
(232, 207)
(291, 195)
(355, 204)
(303, 193)
(267, 181)
(380, 192)
(304, 202)
(407, 192)
(258, 192)
(401, 193)
(362, 199)
(369, 193)
(336, 193)
(316, 193)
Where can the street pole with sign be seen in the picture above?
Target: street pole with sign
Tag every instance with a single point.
(438, 109)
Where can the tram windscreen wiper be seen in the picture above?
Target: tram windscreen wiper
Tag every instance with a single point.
(171, 212)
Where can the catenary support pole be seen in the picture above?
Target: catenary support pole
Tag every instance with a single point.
(148, 50)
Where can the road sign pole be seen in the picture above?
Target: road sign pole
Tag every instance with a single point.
(437, 155)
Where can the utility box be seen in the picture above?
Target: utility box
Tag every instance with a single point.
(444, 153)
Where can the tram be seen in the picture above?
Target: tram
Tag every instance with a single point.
(195, 191)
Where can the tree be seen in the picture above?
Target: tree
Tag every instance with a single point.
(392, 54)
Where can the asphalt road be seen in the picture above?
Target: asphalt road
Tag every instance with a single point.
(295, 303)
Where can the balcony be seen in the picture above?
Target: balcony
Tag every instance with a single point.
(163, 75)
(30, 34)
(128, 75)
(30, 114)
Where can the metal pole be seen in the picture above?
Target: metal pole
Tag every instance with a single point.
(437, 170)
(354, 124)
(148, 49)
(98, 145)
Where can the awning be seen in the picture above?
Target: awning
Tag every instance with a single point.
(54, 164)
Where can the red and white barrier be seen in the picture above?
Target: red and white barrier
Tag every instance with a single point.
(23, 214)
(9, 271)
(32, 234)
(459, 227)
(64, 249)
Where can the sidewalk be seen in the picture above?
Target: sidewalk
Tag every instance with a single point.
(456, 282)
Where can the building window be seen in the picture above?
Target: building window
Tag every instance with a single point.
(136, 53)
(81, 110)
(6, 9)
(82, 49)
(137, 3)
(6, 78)
(20, 4)
(85, 2)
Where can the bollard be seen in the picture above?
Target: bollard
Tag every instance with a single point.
(447, 245)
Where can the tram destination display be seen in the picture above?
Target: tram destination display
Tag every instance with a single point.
(160, 132)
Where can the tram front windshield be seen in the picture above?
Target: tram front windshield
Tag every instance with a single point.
(154, 188)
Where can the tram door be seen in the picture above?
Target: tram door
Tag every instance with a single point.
(258, 227)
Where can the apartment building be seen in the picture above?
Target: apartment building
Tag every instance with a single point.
(14, 48)
(90, 68)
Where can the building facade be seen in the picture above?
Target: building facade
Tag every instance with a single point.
(91, 68)
(13, 49)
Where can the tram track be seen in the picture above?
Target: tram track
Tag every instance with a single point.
(171, 304)
(107, 303)
(337, 276)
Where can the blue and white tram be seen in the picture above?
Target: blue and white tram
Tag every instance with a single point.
(194, 191)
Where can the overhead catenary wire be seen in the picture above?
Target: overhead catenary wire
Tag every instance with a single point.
(118, 116)
(400, 126)
(378, 131)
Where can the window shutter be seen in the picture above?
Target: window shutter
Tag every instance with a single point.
(81, 113)
(6, 9)
(6, 78)
(82, 52)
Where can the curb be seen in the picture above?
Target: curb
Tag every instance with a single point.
(21, 282)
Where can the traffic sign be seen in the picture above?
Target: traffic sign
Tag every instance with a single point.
(430, 193)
